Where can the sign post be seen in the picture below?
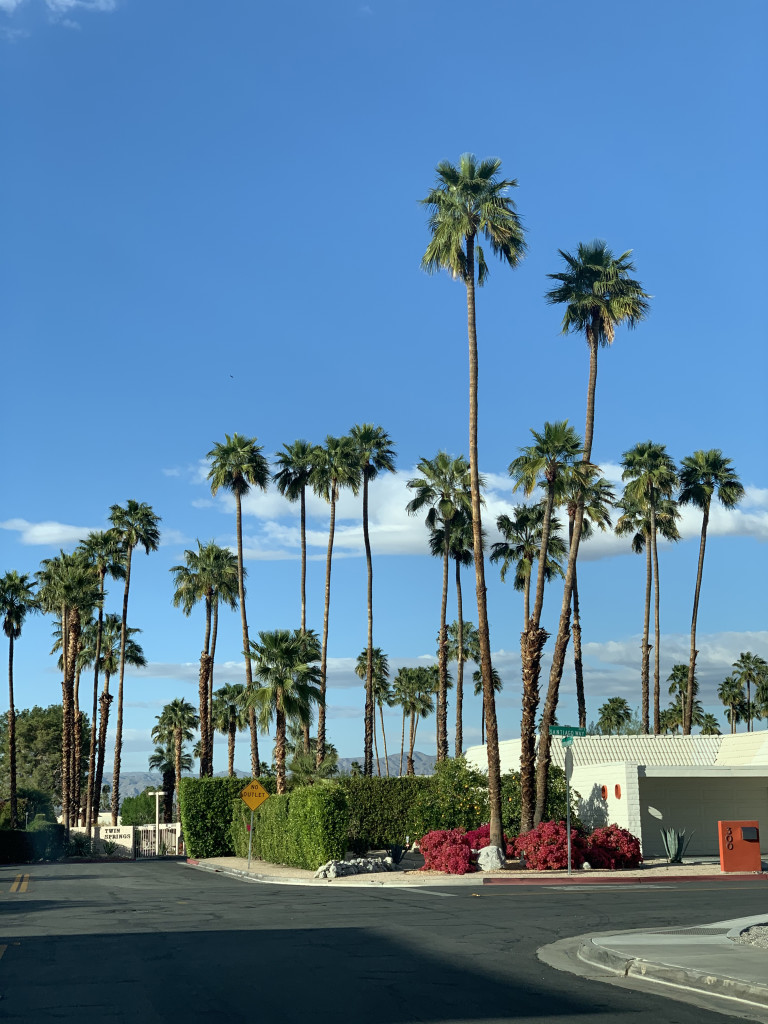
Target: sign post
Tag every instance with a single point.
(253, 796)
(567, 733)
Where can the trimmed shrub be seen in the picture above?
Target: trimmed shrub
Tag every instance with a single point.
(546, 847)
(382, 810)
(447, 850)
(303, 829)
(614, 848)
(206, 813)
(457, 797)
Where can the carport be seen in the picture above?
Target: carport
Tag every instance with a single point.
(695, 799)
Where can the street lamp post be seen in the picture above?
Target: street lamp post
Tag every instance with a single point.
(157, 794)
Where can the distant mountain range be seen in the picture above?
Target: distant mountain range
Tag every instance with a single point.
(133, 783)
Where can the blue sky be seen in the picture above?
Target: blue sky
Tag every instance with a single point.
(211, 224)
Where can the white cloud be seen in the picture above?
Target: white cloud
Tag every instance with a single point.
(9, 6)
(47, 533)
(62, 6)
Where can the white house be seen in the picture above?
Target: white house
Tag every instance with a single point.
(649, 783)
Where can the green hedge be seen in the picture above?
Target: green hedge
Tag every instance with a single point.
(14, 847)
(47, 839)
(206, 813)
(383, 811)
(303, 829)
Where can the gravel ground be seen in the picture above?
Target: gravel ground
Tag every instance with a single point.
(757, 935)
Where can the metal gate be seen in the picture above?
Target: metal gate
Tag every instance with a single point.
(165, 841)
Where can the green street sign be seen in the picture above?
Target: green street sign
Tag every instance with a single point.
(567, 730)
(567, 741)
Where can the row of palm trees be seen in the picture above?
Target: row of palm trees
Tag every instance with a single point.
(72, 587)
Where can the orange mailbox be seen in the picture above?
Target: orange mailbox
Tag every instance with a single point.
(739, 845)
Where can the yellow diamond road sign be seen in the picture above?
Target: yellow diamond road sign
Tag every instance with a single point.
(254, 795)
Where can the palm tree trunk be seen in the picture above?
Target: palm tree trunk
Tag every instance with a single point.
(564, 624)
(214, 635)
(532, 642)
(66, 730)
(304, 561)
(486, 668)
(169, 787)
(280, 745)
(656, 630)
(645, 647)
(11, 735)
(231, 732)
(527, 600)
(441, 710)
(246, 645)
(104, 701)
(692, 657)
(369, 708)
(459, 739)
(376, 746)
(177, 744)
(119, 725)
(92, 748)
(402, 746)
(578, 665)
(206, 767)
(384, 737)
(410, 770)
(320, 749)
(482, 720)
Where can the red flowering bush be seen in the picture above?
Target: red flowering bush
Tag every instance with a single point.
(613, 847)
(479, 838)
(447, 850)
(546, 847)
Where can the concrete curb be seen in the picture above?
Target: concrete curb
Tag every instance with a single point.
(667, 974)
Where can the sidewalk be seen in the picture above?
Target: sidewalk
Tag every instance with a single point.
(703, 959)
(408, 873)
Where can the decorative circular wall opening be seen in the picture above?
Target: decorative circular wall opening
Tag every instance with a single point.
(617, 791)
(604, 792)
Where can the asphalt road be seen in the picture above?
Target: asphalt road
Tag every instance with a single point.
(160, 942)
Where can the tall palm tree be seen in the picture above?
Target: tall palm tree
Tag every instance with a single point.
(614, 715)
(230, 717)
(521, 547)
(17, 600)
(444, 489)
(544, 462)
(460, 544)
(237, 464)
(376, 454)
(209, 574)
(584, 488)
(704, 475)
(498, 685)
(293, 470)
(635, 522)
(285, 664)
(651, 479)
(162, 760)
(709, 725)
(750, 670)
(336, 466)
(678, 690)
(68, 586)
(463, 646)
(731, 693)
(103, 550)
(599, 295)
(136, 525)
(176, 724)
(109, 665)
(470, 202)
(381, 694)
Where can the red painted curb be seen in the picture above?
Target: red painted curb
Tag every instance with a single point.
(634, 880)
(191, 860)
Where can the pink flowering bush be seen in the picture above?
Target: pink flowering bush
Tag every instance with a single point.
(447, 850)
(479, 838)
(546, 847)
(613, 847)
